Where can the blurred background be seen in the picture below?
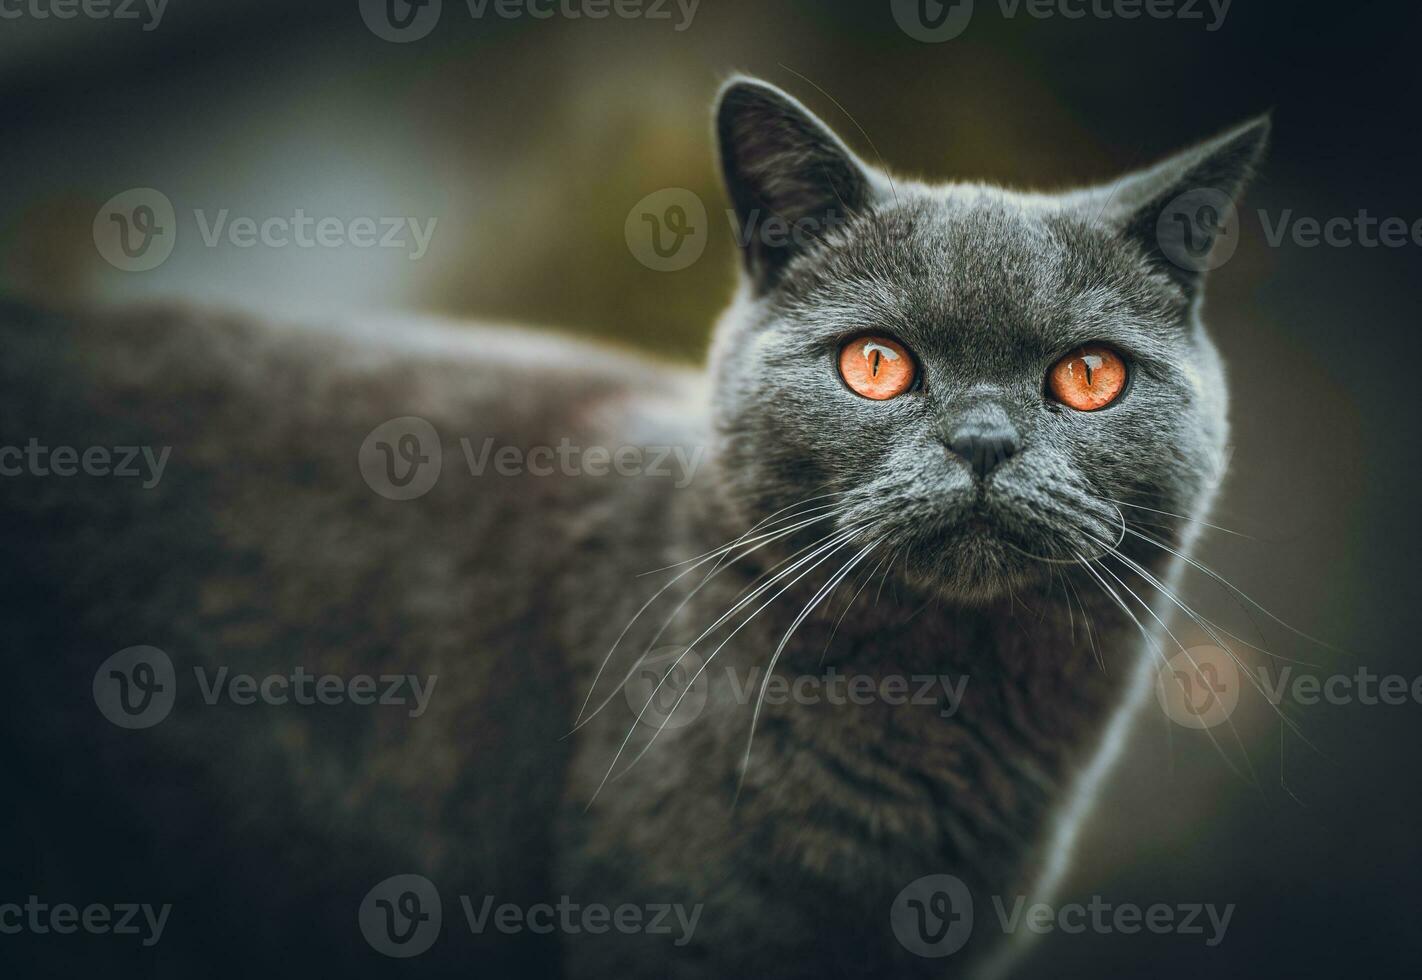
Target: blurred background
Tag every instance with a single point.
(531, 141)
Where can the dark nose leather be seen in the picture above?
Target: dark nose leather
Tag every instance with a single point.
(984, 450)
(984, 439)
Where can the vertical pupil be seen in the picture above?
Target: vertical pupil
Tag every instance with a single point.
(874, 364)
(1086, 363)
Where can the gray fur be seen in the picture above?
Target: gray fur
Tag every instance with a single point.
(262, 548)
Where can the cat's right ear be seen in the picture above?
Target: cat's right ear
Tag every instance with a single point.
(788, 176)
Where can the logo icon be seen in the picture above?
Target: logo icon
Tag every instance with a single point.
(932, 21)
(136, 687)
(135, 231)
(933, 916)
(401, 459)
(401, 916)
(1199, 230)
(669, 688)
(667, 231)
(401, 21)
(1199, 687)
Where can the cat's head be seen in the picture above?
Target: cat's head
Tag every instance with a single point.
(976, 375)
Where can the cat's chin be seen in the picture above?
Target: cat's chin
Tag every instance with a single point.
(975, 565)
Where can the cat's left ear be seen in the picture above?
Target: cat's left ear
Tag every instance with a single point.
(789, 177)
(1177, 210)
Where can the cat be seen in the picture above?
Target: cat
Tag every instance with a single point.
(949, 451)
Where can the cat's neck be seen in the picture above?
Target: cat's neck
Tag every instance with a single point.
(963, 736)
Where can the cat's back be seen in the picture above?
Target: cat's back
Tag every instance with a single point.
(354, 370)
(311, 402)
(311, 462)
(210, 449)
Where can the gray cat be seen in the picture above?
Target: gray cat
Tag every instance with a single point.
(914, 530)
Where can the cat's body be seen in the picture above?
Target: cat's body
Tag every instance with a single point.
(292, 559)
(266, 545)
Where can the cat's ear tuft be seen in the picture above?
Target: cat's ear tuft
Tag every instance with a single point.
(788, 176)
(1182, 209)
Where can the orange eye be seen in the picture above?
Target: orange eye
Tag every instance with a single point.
(1088, 378)
(876, 367)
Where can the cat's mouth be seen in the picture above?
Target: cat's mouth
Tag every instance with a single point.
(988, 547)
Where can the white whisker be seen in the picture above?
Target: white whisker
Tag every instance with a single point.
(760, 541)
(822, 549)
(1207, 626)
(1253, 777)
(785, 641)
(762, 523)
(1236, 591)
(1178, 517)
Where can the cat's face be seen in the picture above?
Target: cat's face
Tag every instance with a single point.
(924, 355)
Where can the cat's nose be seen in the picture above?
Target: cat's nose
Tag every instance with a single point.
(983, 450)
(983, 441)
